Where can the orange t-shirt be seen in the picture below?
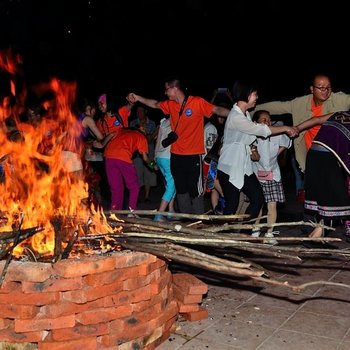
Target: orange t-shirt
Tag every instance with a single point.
(311, 133)
(125, 144)
(190, 128)
(110, 124)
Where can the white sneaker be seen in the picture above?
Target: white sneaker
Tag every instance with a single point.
(270, 236)
(255, 233)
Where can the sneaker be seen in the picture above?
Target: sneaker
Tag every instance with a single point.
(255, 233)
(171, 217)
(159, 218)
(270, 237)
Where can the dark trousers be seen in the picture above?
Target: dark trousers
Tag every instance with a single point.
(251, 188)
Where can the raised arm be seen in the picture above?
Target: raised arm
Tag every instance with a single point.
(221, 111)
(307, 124)
(88, 122)
(133, 98)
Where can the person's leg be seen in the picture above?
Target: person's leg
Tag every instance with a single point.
(271, 215)
(214, 198)
(254, 192)
(115, 180)
(169, 194)
(187, 172)
(132, 183)
(231, 194)
(164, 166)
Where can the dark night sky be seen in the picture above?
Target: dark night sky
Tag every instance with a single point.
(110, 44)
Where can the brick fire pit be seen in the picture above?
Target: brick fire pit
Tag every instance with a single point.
(115, 302)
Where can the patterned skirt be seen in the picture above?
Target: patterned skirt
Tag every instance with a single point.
(326, 193)
(273, 191)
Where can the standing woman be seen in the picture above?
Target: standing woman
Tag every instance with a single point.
(235, 168)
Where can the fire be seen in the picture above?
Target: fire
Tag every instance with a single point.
(36, 185)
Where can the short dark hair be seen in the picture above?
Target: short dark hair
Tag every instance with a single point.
(176, 82)
(242, 89)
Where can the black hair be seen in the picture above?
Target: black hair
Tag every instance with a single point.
(241, 90)
(175, 81)
(257, 114)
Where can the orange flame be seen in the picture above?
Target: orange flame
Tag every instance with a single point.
(36, 183)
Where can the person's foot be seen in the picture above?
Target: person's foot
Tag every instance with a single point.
(255, 233)
(270, 237)
(318, 231)
(159, 218)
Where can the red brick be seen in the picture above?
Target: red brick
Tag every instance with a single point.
(161, 283)
(44, 324)
(53, 285)
(86, 343)
(133, 296)
(129, 333)
(6, 323)
(146, 269)
(189, 284)
(187, 307)
(70, 268)
(80, 331)
(93, 293)
(149, 313)
(169, 313)
(135, 283)
(18, 311)
(10, 287)
(128, 258)
(27, 271)
(186, 298)
(142, 305)
(30, 298)
(103, 314)
(201, 314)
(10, 335)
(68, 308)
(99, 279)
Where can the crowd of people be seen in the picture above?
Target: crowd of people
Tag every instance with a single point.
(228, 147)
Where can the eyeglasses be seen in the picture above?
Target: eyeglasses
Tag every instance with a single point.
(322, 88)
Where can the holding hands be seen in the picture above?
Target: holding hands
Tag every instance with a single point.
(292, 131)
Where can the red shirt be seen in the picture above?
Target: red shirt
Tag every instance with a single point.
(125, 144)
(110, 124)
(311, 133)
(190, 128)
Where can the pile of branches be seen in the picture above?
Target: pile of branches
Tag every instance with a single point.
(212, 242)
(203, 241)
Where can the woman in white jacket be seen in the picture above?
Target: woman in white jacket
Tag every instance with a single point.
(235, 170)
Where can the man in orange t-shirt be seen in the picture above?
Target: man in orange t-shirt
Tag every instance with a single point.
(187, 120)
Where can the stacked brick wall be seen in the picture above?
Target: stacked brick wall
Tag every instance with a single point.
(118, 302)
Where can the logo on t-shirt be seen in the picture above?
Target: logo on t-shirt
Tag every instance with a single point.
(116, 122)
(188, 112)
